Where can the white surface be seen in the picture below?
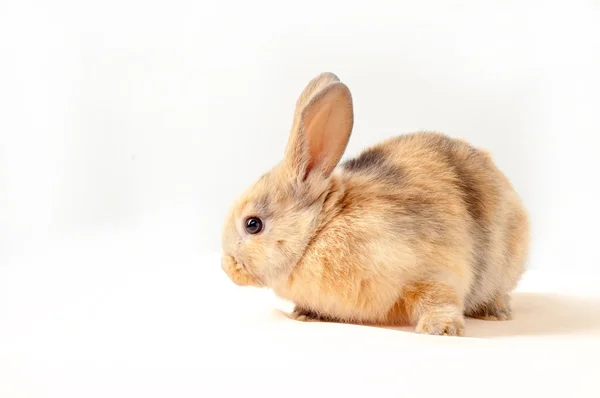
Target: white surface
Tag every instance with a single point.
(148, 318)
(115, 110)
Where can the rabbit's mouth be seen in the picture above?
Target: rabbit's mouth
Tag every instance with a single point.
(251, 272)
(255, 275)
(243, 266)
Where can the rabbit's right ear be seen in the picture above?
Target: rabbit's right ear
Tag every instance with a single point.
(323, 122)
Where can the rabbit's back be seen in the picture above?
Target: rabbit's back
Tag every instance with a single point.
(449, 200)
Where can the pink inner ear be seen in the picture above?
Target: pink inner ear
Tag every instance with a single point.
(317, 135)
(327, 130)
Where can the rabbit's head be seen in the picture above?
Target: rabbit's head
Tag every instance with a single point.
(268, 228)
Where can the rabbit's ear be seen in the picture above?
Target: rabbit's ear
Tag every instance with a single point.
(313, 87)
(322, 126)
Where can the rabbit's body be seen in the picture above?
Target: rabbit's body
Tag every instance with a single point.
(460, 224)
(421, 229)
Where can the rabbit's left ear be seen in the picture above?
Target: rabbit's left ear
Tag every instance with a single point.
(322, 127)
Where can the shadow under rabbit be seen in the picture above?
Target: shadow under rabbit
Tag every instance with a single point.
(534, 314)
(543, 314)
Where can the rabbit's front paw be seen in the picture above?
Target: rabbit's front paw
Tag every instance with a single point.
(305, 315)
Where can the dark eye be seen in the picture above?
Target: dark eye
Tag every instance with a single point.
(254, 225)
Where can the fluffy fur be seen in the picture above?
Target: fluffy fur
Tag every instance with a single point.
(420, 229)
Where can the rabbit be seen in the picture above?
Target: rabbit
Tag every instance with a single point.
(419, 230)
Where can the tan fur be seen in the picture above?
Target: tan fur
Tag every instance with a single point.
(420, 229)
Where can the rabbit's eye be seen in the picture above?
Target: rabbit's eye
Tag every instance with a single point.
(254, 225)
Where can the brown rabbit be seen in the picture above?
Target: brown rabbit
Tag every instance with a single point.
(420, 229)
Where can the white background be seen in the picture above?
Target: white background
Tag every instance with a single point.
(128, 127)
(116, 111)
